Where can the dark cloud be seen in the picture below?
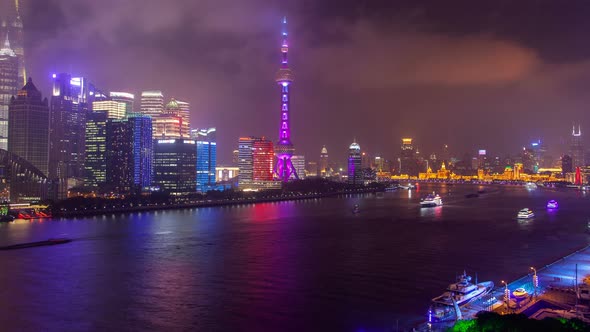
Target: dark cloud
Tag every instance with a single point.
(491, 74)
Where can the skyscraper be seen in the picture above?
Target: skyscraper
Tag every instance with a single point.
(577, 148)
(16, 36)
(9, 84)
(206, 158)
(262, 161)
(124, 97)
(28, 127)
(185, 114)
(299, 164)
(355, 172)
(71, 102)
(95, 164)
(566, 165)
(114, 109)
(152, 103)
(170, 124)
(324, 162)
(119, 156)
(174, 166)
(129, 153)
(408, 163)
(284, 168)
(245, 162)
(140, 126)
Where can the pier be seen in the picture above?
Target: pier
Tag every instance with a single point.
(554, 294)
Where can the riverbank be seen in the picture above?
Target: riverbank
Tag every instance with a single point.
(207, 203)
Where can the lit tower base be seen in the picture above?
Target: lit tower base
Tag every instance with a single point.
(284, 149)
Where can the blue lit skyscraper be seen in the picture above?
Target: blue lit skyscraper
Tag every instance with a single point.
(206, 158)
(141, 150)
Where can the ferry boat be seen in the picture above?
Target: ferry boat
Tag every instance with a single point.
(552, 204)
(431, 200)
(525, 214)
(444, 307)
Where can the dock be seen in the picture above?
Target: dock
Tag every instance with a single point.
(555, 295)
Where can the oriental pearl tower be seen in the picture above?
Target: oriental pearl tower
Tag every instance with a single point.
(284, 149)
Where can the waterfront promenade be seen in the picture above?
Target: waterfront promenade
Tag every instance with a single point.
(555, 295)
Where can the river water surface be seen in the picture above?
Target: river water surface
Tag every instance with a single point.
(288, 266)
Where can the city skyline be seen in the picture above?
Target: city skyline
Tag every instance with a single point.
(523, 61)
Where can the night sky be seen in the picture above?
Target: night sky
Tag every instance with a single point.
(472, 74)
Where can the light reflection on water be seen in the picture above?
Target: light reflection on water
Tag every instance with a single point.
(303, 265)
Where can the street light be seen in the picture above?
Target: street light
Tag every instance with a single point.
(506, 294)
(535, 280)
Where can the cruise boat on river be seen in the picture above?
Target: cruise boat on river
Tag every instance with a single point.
(458, 294)
(525, 214)
(431, 200)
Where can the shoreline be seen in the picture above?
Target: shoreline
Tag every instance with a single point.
(211, 203)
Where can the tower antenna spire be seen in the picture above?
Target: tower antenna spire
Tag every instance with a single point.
(284, 168)
(16, 7)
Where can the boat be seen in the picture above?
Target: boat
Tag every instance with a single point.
(6, 218)
(471, 195)
(356, 209)
(525, 214)
(391, 188)
(552, 204)
(458, 294)
(431, 200)
(49, 242)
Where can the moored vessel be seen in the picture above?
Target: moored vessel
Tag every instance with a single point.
(445, 307)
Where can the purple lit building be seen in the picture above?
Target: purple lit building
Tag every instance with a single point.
(284, 149)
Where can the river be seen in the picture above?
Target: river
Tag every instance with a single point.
(284, 266)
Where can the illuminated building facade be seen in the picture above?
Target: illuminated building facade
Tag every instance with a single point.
(206, 158)
(152, 103)
(174, 166)
(324, 168)
(408, 164)
(123, 97)
(262, 160)
(129, 156)
(119, 156)
(9, 85)
(226, 173)
(13, 29)
(71, 102)
(170, 123)
(312, 169)
(114, 109)
(235, 158)
(95, 164)
(185, 113)
(284, 168)
(365, 160)
(299, 164)
(355, 172)
(577, 148)
(245, 162)
(140, 126)
(481, 159)
(28, 127)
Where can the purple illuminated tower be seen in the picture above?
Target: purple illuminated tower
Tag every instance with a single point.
(284, 149)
